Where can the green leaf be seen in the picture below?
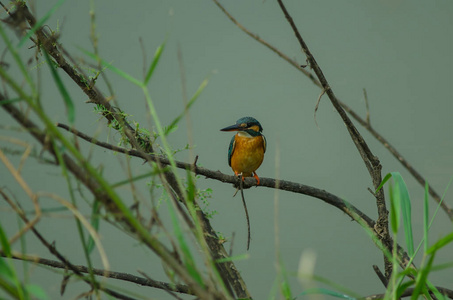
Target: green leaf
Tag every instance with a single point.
(386, 178)
(9, 101)
(435, 291)
(94, 223)
(444, 266)
(440, 243)
(233, 258)
(187, 255)
(426, 217)
(5, 270)
(64, 93)
(395, 209)
(36, 291)
(323, 291)
(189, 104)
(153, 65)
(113, 68)
(4, 242)
(40, 22)
(420, 280)
(283, 281)
(401, 203)
(135, 178)
(402, 287)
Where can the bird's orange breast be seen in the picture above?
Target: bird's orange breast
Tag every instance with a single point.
(248, 154)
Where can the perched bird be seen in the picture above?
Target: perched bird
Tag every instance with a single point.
(247, 147)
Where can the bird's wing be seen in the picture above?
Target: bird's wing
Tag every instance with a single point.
(231, 149)
(264, 144)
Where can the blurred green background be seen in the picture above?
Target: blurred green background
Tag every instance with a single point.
(399, 51)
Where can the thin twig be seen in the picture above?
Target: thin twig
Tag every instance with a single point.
(381, 276)
(317, 105)
(274, 49)
(162, 287)
(179, 288)
(365, 96)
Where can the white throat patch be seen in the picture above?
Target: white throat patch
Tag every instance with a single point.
(244, 134)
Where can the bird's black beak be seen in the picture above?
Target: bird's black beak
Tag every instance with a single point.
(234, 127)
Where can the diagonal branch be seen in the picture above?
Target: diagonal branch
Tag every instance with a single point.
(179, 288)
(371, 161)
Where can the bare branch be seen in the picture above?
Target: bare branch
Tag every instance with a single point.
(179, 288)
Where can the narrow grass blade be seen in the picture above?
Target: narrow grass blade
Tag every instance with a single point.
(173, 124)
(406, 211)
(64, 93)
(233, 258)
(9, 289)
(401, 203)
(9, 101)
(187, 255)
(285, 287)
(113, 68)
(442, 266)
(135, 178)
(36, 291)
(426, 218)
(402, 287)
(435, 291)
(8, 278)
(4, 242)
(153, 65)
(386, 178)
(395, 209)
(94, 223)
(420, 281)
(40, 22)
(5, 271)
(323, 291)
(20, 64)
(440, 243)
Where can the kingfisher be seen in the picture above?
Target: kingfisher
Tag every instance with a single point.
(247, 147)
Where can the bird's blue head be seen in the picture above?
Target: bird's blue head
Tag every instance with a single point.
(247, 124)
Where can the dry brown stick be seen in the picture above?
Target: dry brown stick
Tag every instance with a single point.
(180, 288)
(448, 210)
(371, 161)
(381, 276)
